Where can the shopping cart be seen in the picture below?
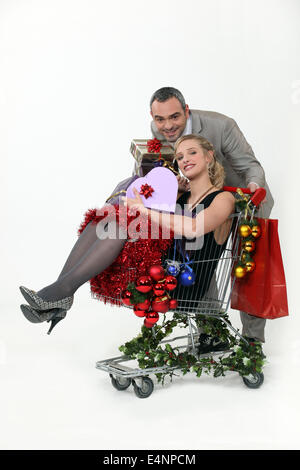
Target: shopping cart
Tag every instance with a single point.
(197, 306)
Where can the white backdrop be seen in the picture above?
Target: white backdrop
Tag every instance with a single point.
(75, 82)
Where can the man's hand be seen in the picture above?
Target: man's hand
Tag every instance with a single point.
(253, 187)
(183, 184)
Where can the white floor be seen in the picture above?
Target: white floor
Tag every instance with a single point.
(53, 397)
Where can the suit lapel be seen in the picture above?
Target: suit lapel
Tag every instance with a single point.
(196, 122)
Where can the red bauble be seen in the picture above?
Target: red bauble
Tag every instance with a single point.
(143, 305)
(170, 282)
(138, 311)
(126, 296)
(148, 324)
(173, 304)
(160, 304)
(144, 284)
(157, 272)
(159, 289)
(152, 317)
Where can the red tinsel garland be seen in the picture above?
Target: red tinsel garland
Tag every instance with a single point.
(133, 261)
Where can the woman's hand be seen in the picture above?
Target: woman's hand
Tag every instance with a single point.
(183, 184)
(135, 204)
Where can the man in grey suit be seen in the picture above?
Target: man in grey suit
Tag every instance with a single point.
(172, 118)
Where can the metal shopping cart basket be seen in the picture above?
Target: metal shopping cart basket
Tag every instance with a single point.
(201, 308)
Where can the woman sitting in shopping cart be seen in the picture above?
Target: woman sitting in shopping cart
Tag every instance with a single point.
(92, 255)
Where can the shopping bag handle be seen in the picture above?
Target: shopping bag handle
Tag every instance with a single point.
(256, 198)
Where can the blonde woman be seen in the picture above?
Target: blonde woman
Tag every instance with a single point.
(197, 161)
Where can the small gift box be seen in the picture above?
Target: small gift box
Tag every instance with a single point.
(149, 154)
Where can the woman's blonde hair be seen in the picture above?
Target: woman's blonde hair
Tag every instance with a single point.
(216, 171)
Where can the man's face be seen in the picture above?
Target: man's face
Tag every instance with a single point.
(169, 118)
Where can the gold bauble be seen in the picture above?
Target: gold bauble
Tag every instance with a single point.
(240, 271)
(244, 257)
(244, 230)
(250, 266)
(249, 246)
(256, 231)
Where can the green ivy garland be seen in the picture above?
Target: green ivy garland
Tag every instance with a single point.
(146, 349)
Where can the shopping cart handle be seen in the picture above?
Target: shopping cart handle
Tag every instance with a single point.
(257, 197)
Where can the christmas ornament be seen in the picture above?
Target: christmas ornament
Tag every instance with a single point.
(143, 305)
(244, 257)
(158, 289)
(173, 304)
(246, 263)
(126, 296)
(138, 312)
(160, 304)
(152, 317)
(187, 277)
(244, 230)
(144, 284)
(156, 272)
(137, 297)
(240, 271)
(148, 324)
(156, 298)
(250, 266)
(248, 246)
(170, 283)
(173, 267)
(256, 231)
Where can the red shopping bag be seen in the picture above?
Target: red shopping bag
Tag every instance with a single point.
(262, 293)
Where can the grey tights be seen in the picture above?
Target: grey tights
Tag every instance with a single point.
(89, 257)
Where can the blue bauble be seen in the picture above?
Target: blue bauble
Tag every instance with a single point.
(187, 277)
(158, 163)
(173, 270)
(172, 267)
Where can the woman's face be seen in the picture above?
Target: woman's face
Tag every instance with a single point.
(192, 159)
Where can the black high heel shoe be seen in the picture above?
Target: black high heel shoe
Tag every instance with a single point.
(54, 315)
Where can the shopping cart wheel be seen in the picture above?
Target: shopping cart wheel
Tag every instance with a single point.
(254, 380)
(120, 383)
(145, 390)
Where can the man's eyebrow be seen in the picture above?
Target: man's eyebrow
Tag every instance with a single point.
(162, 117)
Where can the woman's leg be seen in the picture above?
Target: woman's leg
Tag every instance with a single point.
(94, 259)
(84, 242)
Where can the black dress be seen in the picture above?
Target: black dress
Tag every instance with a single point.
(203, 261)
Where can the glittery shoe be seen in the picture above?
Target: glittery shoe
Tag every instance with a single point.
(54, 315)
(38, 303)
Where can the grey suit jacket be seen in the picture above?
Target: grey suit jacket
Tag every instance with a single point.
(232, 149)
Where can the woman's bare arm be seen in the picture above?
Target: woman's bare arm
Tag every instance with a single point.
(206, 221)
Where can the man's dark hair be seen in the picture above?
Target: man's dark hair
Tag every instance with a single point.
(164, 94)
